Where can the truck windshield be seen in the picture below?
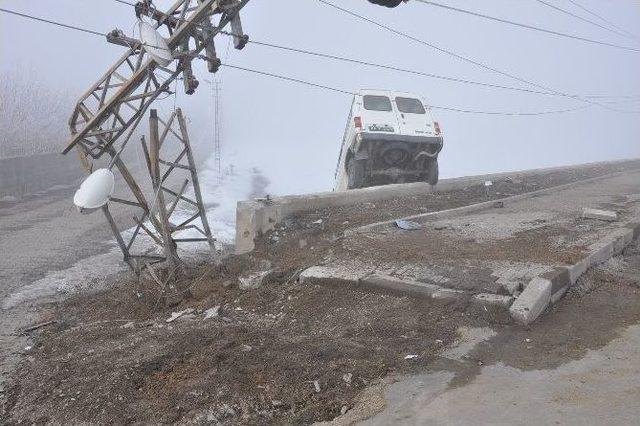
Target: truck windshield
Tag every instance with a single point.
(410, 105)
(376, 103)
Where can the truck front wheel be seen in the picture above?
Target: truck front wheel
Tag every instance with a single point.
(355, 172)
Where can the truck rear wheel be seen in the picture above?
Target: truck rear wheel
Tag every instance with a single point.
(433, 173)
(355, 172)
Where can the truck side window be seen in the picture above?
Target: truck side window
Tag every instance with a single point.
(410, 106)
(376, 103)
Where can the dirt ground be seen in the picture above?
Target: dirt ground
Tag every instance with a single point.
(280, 353)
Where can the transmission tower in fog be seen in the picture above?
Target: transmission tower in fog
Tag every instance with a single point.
(216, 130)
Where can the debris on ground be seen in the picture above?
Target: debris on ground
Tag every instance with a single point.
(305, 340)
(175, 315)
(407, 225)
(597, 214)
(212, 312)
(253, 280)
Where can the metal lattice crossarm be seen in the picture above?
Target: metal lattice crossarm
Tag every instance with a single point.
(114, 105)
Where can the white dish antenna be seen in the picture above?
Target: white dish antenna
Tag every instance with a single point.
(154, 44)
(95, 191)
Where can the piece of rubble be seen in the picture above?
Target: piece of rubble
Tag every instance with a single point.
(407, 225)
(605, 215)
(130, 324)
(254, 280)
(212, 312)
(175, 315)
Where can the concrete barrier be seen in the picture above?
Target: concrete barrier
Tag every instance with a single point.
(255, 217)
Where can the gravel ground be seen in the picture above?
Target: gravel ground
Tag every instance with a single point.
(281, 353)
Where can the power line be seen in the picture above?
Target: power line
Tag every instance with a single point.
(346, 92)
(60, 24)
(566, 12)
(460, 57)
(391, 67)
(318, 85)
(531, 27)
(384, 66)
(575, 3)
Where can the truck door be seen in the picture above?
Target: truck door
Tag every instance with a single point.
(413, 119)
(378, 115)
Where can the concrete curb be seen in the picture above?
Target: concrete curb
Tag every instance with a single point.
(337, 276)
(539, 294)
(472, 208)
(548, 289)
(254, 218)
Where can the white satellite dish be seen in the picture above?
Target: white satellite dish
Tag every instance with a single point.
(154, 44)
(95, 191)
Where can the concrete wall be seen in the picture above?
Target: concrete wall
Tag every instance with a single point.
(21, 176)
(256, 217)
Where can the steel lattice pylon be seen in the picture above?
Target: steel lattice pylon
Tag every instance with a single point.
(108, 113)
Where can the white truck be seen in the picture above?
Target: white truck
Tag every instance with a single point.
(391, 137)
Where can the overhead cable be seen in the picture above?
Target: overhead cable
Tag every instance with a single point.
(530, 27)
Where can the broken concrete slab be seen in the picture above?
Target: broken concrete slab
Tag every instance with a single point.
(606, 215)
(532, 302)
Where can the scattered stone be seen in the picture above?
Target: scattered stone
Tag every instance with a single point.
(498, 204)
(302, 243)
(227, 283)
(407, 225)
(316, 385)
(175, 315)
(347, 378)
(411, 356)
(317, 222)
(438, 341)
(254, 280)
(276, 403)
(246, 348)
(605, 215)
(344, 410)
(212, 312)
(130, 324)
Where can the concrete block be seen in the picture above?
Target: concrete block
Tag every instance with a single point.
(492, 300)
(559, 278)
(532, 302)
(600, 252)
(448, 294)
(331, 275)
(558, 294)
(605, 215)
(398, 285)
(577, 269)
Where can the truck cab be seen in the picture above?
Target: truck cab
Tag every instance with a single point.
(390, 137)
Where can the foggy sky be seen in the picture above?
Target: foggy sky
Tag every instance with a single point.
(294, 132)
